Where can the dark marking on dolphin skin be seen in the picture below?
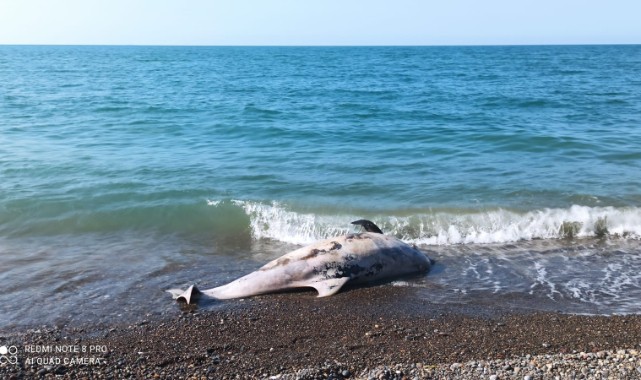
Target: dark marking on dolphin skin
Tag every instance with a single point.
(340, 270)
(350, 258)
(283, 261)
(374, 269)
(335, 245)
(315, 252)
(280, 262)
(347, 270)
(368, 225)
(351, 237)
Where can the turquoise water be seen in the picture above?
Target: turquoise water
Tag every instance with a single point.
(167, 159)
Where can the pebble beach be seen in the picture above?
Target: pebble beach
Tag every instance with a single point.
(378, 332)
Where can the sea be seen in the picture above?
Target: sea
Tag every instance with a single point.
(129, 170)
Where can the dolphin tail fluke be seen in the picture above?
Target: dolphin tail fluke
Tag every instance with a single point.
(186, 296)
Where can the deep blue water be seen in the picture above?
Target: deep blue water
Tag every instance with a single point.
(166, 155)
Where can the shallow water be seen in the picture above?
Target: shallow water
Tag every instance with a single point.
(583, 277)
(119, 279)
(125, 171)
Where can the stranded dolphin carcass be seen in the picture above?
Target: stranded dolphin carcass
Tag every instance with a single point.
(326, 266)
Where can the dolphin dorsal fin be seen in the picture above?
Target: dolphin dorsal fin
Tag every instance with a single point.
(368, 225)
(330, 286)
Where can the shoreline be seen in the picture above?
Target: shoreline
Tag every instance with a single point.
(379, 331)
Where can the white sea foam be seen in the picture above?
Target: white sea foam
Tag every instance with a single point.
(274, 220)
(501, 226)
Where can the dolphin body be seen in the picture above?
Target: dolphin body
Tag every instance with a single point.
(326, 266)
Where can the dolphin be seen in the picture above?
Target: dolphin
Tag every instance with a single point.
(326, 266)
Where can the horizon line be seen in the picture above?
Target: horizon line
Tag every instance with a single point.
(324, 45)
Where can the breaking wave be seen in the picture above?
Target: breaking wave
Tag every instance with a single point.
(278, 221)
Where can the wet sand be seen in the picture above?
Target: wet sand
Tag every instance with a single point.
(353, 334)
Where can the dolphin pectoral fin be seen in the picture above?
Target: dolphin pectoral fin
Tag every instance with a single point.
(329, 287)
(185, 296)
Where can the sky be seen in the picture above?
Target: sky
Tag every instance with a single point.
(320, 22)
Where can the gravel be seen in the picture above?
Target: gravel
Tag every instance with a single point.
(368, 333)
(616, 364)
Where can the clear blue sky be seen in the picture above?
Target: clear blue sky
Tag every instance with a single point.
(319, 22)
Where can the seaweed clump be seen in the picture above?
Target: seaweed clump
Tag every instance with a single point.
(601, 227)
(570, 230)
